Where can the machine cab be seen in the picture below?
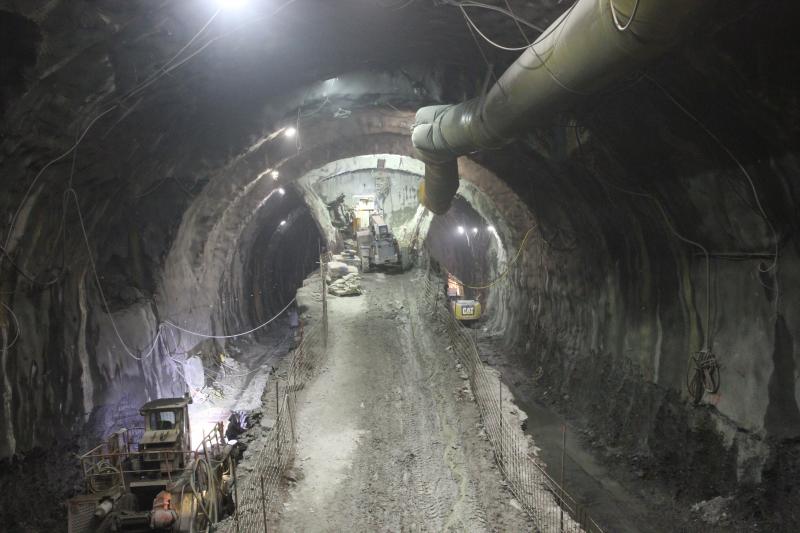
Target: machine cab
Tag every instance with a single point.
(166, 429)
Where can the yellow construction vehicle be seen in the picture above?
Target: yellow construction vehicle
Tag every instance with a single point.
(150, 478)
(463, 309)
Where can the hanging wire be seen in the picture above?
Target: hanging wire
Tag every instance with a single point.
(531, 46)
(165, 69)
(16, 327)
(502, 276)
(107, 308)
(736, 161)
(508, 12)
(14, 218)
(232, 336)
(668, 223)
(623, 27)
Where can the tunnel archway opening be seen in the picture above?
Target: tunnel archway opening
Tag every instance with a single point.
(284, 254)
(463, 242)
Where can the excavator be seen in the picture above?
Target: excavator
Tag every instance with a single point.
(342, 217)
(151, 479)
(466, 311)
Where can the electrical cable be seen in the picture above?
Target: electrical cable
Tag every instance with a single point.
(735, 160)
(508, 267)
(508, 12)
(48, 165)
(102, 293)
(532, 47)
(166, 64)
(705, 362)
(627, 25)
(487, 39)
(16, 328)
(167, 322)
(27, 276)
(489, 66)
(164, 70)
(517, 23)
(652, 198)
(209, 42)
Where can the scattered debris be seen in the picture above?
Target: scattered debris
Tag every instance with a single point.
(714, 511)
(348, 285)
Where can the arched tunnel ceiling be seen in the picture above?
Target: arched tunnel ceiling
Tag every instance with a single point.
(180, 214)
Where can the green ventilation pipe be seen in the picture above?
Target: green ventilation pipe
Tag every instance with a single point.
(590, 46)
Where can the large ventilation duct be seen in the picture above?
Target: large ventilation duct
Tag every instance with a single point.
(593, 44)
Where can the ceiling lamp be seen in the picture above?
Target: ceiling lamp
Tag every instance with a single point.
(231, 4)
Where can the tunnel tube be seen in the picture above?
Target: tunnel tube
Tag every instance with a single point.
(583, 51)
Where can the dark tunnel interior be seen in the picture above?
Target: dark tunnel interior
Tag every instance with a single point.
(240, 215)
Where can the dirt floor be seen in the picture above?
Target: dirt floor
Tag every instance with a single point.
(388, 439)
(607, 483)
(34, 489)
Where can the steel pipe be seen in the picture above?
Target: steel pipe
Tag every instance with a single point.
(581, 53)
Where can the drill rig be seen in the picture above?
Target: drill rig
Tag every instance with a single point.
(150, 479)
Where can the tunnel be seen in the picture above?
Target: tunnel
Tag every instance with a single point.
(399, 265)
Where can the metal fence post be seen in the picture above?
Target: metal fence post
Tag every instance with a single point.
(563, 455)
(235, 496)
(277, 419)
(263, 503)
(500, 386)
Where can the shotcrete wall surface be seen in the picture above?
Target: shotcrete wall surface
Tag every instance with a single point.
(393, 183)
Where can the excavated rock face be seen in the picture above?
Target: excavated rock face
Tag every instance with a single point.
(609, 298)
(183, 218)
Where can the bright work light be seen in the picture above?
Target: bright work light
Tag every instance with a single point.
(231, 4)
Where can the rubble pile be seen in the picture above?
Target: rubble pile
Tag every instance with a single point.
(343, 278)
(348, 285)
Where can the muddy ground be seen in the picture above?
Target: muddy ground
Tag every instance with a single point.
(388, 437)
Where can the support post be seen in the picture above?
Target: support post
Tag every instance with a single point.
(563, 456)
(235, 495)
(500, 388)
(263, 504)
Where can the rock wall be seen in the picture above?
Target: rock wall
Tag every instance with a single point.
(609, 299)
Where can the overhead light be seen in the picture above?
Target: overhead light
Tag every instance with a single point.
(489, 228)
(283, 223)
(231, 4)
(475, 231)
(461, 230)
(275, 174)
(290, 132)
(281, 191)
